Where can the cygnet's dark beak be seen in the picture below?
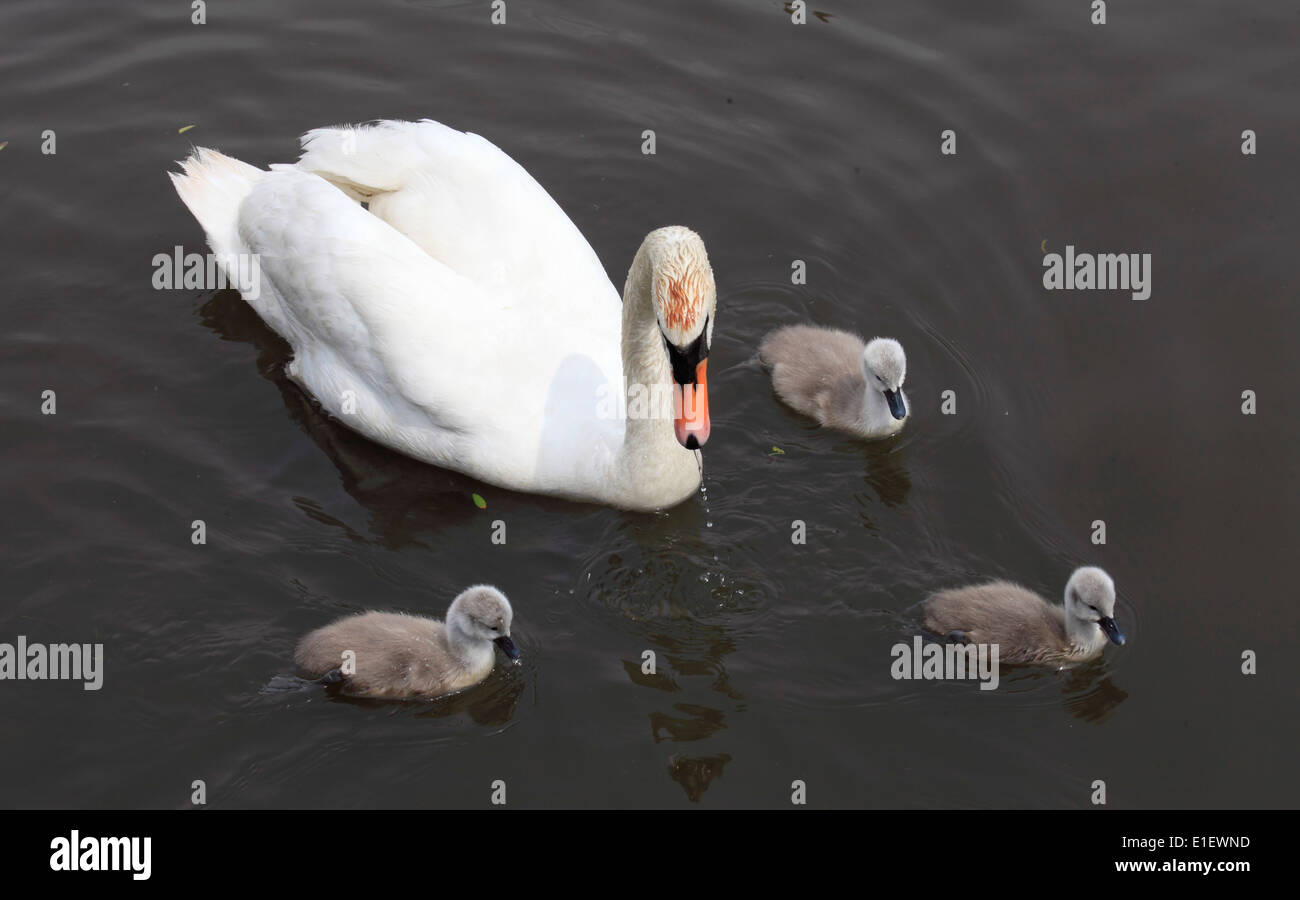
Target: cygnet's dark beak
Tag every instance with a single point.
(1111, 630)
(507, 647)
(896, 407)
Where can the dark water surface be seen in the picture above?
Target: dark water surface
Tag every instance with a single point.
(776, 142)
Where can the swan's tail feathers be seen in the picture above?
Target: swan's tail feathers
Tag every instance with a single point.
(213, 186)
(365, 160)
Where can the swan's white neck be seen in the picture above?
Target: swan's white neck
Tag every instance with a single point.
(652, 467)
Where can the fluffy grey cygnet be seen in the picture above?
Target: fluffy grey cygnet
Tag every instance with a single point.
(1026, 628)
(837, 379)
(402, 656)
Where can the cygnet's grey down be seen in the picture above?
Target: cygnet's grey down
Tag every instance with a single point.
(837, 379)
(402, 656)
(1026, 628)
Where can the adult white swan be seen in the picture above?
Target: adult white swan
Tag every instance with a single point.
(463, 319)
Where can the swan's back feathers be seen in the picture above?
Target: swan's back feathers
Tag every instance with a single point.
(366, 160)
(1025, 627)
(467, 204)
(818, 372)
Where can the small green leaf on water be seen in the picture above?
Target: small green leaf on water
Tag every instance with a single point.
(185, 129)
(480, 502)
(777, 451)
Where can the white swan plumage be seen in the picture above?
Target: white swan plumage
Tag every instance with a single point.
(462, 319)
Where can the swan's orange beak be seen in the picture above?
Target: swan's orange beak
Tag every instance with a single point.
(691, 420)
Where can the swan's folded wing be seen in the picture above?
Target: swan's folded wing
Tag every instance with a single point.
(468, 205)
(365, 310)
(411, 354)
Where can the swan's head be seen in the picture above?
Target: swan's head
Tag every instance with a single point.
(1090, 597)
(482, 613)
(884, 366)
(685, 300)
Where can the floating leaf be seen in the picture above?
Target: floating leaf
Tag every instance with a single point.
(3, 144)
(183, 130)
(777, 451)
(480, 502)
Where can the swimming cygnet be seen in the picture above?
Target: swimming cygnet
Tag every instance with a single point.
(401, 656)
(838, 380)
(1026, 628)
